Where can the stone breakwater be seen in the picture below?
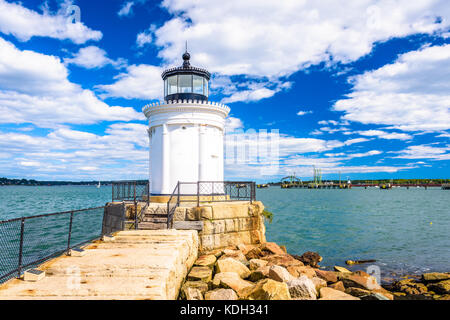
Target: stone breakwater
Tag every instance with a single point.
(267, 272)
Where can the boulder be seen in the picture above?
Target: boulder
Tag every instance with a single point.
(357, 292)
(230, 280)
(232, 265)
(206, 261)
(221, 294)
(332, 294)
(192, 294)
(442, 287)
(200, 285)
(200, 274)
(318, 283)
(260, 273)
(235, 254)
(257, 263)
(359, 279)
(338, 286)
(298, 271)
(245, 248)
(302, 288)
(328, 276)
(272, 247)
(283, 260)
(341, 269)
(278, 273)
(435, 277)
(254, 253)
(410, 287)
(310, 258)
(267, 289)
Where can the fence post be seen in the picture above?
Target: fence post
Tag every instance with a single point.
(135, 207)
(70, 232)
(22, 227)
(212, 191)
(198, 193)
(148, 193)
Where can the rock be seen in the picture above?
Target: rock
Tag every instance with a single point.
(283, 248)
(200, 285)
(192, 294)
(310, 258)
(221, 294)
(341, 269)
(332, 294)
(351, 262)
(357, 292)
(444, 297)
(328, 276)
(278, 273)
(254, 253)
(302, 289)
(338, 286)
(206, 261)
(435, 277)
(442, 287)
(235, 254)
(200, 274)
(388, 295)
(260, 273)
(283, 260)
(272, 247)
(359, 279)
(318, 283)
(298, 271)
(245, 248)
(410, 287)
(232, 265)
(267, 289)
(257, 263)
(230, 280)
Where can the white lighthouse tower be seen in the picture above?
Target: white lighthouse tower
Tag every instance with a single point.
(186, 132)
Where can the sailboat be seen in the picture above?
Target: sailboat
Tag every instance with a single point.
(99, 185)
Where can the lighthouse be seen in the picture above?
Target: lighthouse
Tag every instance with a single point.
(186, 132)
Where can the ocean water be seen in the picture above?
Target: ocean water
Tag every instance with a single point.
(406, 231)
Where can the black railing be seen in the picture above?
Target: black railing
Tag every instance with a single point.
(28, 241)
(209, 191)
(130, 191)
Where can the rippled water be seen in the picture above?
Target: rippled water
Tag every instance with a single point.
(406, 231)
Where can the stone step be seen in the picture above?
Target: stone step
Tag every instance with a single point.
(152, 226)
(155, 219)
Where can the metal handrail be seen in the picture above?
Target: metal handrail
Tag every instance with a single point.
(24, 247)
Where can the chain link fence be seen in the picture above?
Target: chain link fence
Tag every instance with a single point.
(26, 242)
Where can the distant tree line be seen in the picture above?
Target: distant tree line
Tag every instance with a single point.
(32, 182)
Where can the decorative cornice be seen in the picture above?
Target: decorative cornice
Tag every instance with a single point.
(175, 104)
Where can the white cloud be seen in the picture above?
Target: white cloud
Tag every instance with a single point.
(385, 135)
(302, 113)
(120, 153)
(93, 57)
(140, 82)
(126, 9)
(24, 24)
(410, 94)
(425, 152)
(274, 39)
(34, 89)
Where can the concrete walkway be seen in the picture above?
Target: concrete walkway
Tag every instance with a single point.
(141, 264)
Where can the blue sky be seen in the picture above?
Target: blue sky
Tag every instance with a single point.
(357, 87)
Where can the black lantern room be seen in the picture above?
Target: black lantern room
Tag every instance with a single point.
(186, 82)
